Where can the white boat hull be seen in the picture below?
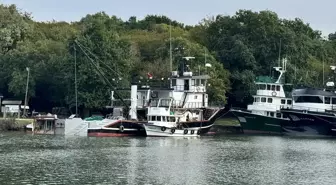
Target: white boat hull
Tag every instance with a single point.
(153, 130)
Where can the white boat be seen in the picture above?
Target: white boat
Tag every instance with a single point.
(182, 109)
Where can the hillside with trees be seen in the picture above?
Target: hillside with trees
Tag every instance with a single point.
(239, 48)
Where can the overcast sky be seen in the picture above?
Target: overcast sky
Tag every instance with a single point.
(320, 14)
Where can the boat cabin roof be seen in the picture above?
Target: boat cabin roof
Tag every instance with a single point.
(45, 117)
(312, 92)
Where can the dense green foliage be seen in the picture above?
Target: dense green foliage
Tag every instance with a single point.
(239, 47)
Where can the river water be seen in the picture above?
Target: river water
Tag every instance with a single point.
(27, 159)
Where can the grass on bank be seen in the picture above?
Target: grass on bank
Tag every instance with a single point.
(19, 122)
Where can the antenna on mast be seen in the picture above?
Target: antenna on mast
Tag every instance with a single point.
(76, 80)
(280, 53)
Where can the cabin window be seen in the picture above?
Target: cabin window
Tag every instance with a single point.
(333, 100)
(262, 86)
(195, 97)
(289, 102)
(197, 82)
(278, 115)
(173, 82)
(273, 87)
(202, 82)
(284, 116)
(153, 118)
(193, 82)
(159, 118)
(268, 87)
(263, 99)
(269, 100)
(272, 114)
(326, 100)
(308, 99)
(163, 118)
(257, 99)
(172, 119)
(283, 101)
(278, 88)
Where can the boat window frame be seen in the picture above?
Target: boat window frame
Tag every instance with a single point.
(263, 98)
(278, 115)
(257, 99)
(273, 87)
(283, 101)
(269, 99)
(268, 87)
(174, 81)
(278, 88)
(327, 99)
(262, 86)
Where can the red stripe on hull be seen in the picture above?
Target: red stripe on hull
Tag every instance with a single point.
(101, 134)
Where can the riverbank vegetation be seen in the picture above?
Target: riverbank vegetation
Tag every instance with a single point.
(239, 48)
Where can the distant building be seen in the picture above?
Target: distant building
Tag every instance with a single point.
(11, 108)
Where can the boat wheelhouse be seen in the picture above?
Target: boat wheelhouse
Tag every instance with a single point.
(313, 112)
(182, 109)
(263, 115)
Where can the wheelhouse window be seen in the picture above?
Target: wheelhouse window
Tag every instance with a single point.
(278, 115)
(262, 86)
(278, 87)
(173, 82)
(269, 100)
(263, 99)
(163, 118)
(268, 87)
(333, 100)
(273, 87)
(326, 100)
(289, 102)
(308, 99)
(283, 101)
(159, 118)
(257, 99)
(153, 118)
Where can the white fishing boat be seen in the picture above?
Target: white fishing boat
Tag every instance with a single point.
(182, 109)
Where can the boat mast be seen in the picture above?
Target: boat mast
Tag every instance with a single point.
(279, 60)
(76, 80)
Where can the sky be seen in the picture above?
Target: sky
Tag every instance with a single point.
(319, 14)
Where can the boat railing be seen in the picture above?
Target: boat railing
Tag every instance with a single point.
(192, 88)
(313, 109)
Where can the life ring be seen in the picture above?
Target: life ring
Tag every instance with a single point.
(274, 93)
(163, 129)
(185, 131)
(192, 132)
(199, 132)
(121, 128)
(172, 130)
